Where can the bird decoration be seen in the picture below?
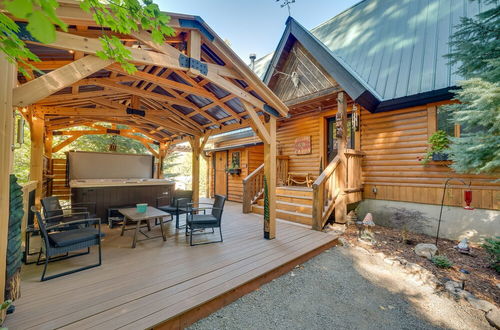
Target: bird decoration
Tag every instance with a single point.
(463, 247)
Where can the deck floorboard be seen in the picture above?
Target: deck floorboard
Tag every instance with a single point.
(157, 281)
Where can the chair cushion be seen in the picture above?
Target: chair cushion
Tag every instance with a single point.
(74, 236)
(171, 209)
(203, 219)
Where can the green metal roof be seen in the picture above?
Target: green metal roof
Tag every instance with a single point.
(393, 48)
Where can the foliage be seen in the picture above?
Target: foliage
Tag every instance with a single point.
(441, 261)
(3, 307)
(266, 201)
(122, 16)
(492, 246)
(439, 142)
(476, 52)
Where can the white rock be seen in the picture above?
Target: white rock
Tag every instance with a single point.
(493, 317)
(483, 305)
(426, 250)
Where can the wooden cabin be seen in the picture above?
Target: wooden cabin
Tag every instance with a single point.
(390, 78)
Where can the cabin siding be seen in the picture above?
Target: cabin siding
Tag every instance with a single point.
(394, 143)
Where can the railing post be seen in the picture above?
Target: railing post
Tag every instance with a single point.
(318, 206)
(247, 198)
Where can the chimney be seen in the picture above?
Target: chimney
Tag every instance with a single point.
(252, 61)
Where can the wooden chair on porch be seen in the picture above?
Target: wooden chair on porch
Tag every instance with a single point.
(58, 244)
(198, 220)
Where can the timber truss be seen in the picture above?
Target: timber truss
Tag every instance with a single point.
(191, 86)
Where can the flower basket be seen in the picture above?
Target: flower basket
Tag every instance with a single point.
(234, 171)
(439, 157)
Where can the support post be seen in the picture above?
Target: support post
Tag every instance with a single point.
(36, 160)
(341, 206)
(270, 170)
(7, 84)
(195, 147)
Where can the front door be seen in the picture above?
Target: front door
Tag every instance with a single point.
(332, 148)
(220, 173)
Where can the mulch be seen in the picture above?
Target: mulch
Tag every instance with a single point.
(482, 280)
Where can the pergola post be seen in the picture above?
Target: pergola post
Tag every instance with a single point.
(270, 170)
(195, 147)
(37, 149)
(7, 84)
(341, 206)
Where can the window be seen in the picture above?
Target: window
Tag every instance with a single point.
(444, 122)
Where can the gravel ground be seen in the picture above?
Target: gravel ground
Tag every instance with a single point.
(345, 288)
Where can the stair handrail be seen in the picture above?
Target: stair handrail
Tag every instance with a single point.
(253, 188)
(325, 192)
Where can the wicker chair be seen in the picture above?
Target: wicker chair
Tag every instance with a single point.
(197, 220)
(57, 244)
(178, 206)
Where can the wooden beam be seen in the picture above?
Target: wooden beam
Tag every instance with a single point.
(195, 148)
(56, 80)
(36, 159)
(262, 131)
(270, 169)
(341, 180)
(194, 49)
(7, 83)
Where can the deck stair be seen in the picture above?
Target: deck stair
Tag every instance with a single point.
(293, 203)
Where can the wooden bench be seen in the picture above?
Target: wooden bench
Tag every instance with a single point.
(300, 178)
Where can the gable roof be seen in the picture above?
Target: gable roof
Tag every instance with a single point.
(386, 54)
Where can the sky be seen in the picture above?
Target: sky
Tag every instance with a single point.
(255, 26)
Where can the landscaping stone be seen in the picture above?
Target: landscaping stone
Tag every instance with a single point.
(426, 250)
(483, 305)
(493, 317)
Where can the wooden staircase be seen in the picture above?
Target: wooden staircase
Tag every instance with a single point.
(292, 204)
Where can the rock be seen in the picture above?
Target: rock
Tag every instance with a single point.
(493, 317)
(343, 242)
(480, 304)
(426, 250)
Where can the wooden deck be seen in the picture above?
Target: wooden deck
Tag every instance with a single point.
(163, 284)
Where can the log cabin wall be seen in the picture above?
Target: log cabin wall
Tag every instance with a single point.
(394, 143)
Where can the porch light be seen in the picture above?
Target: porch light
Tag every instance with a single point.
(467, 199)
(24, 110)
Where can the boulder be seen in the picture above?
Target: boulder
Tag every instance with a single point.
(426, 250)
(493, 317)
(480, 304)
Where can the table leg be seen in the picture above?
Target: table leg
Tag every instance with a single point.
(137, 228)
(123, 225)
(162, 231)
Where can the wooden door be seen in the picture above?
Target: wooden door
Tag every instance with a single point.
(332, 139)
(220, 173)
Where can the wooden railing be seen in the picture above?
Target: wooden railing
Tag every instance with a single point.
(253, 188)
(354, 159)
(325, 193)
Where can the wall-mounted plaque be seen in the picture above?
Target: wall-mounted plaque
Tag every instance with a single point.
(303, 145)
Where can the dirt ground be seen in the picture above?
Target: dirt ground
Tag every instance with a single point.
(482, 280)
(345, 288)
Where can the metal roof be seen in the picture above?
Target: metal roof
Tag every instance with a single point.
(391, 49)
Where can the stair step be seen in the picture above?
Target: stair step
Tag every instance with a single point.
(302, 218)
(294, 191)
(287, 206)
(305, 200)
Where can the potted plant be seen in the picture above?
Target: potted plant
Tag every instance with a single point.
(233, 169)
(439, 142)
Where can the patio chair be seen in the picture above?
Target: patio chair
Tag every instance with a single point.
(178, 206)
(195, 220)
(57, 244)
(53, 210)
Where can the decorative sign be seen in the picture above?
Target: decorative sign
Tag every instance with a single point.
(303, 145)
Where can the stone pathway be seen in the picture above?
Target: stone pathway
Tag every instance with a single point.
(346, 288)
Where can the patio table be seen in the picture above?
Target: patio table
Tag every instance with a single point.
(138, 217)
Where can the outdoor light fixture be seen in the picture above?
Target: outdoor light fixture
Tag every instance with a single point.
(464, 274)
(467, 198)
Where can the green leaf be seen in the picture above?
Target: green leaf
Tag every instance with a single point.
(41, 28)
(19, 8)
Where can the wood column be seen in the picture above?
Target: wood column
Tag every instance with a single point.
(37, 149)
(7, 84)
(270, 172)
(195, 147)
(341, 205)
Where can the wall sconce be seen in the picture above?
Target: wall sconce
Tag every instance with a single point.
(467, 199)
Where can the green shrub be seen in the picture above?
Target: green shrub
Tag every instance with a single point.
(492, 246)
(442, 261)
(438, 142)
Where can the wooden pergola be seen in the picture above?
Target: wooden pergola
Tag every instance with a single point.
(185, 90)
